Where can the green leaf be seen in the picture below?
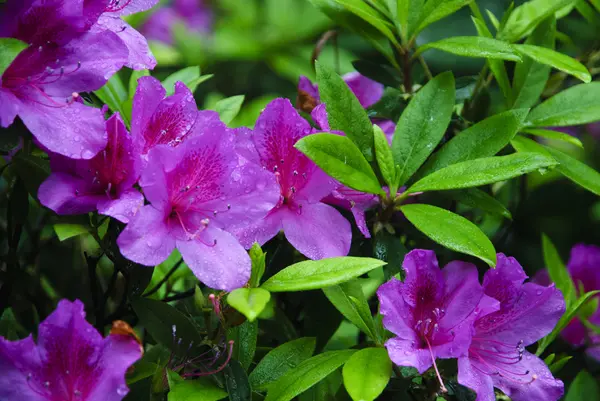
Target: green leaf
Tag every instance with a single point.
(244, 342)
(566, 318)
(306, 375)
(257, 256)
(560, 136)
(366, 373)
(159, 318)
(385, 159)
(190, 76)
(487, 170)
(316, 274)
(350, 300)
(480, 200)
(576, 105)
(65, 231)
(527, 16)
(558, 365)
(341, 159)
(133, 80)
(422, 125)
(113, 94)
(451, 230)
(530, 77)
(556, 60)
(483, 139)
(236, 381)
(9, 50)
(558, 271)
(435, 10)
(576, 171)
(369, 15)
(344, 111)
(32, 170)
(201, 389)
(249, 301)
(409, 14)
(584, 388)
(229, 108)
(474, 46)
(280, 360)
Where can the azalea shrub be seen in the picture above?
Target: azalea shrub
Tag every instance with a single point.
(277, 200)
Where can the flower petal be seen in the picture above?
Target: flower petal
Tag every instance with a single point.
(146, 239)
(261, 230)
(9, 107)
(66, 194)
(75, 131)
(17, 359)
(424, 280)
(140, 56)
(305, 85)
(318, 231)
(403, 353)
(366, 90)
(462, 293)
(319, 115)
(132, 7)
(542, 387)
(583, 266)
(476, 380)
(397, 315)
(147, 97)
(124, 207)
(217, 259)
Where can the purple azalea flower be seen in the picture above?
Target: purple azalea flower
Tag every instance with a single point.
(367, 91)
(583, 267)
(315, 229)
(41, 85)
(71, 361)
(512, 315)
(355, 201)
(195, 14)
(431, 312)
(197, 192)
(103, 183)
(140, 56)
(159, 120)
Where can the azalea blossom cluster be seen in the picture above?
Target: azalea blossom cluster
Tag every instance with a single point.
(446, 313)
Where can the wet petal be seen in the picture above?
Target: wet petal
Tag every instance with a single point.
(462, 293)
(66, 194)
(148, 95)
(366, 90)
(217, 259)
(261, 230)
(17, 360)
(583, 266)
(146, 239)
(397, 315)
(130, 7)
(473, 378)
(318, 231)
(424, 280)
(9, 107)
(124, 207)
(404, 353)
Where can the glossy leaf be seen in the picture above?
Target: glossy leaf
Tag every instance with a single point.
(236, 381)
(369, 15)
(350, 300)
(366, 373)
(201, 389)
(527, 16)
(483, 139)
(577, 171)
(344, 111)
(244, 339)
(9, 50)
(280, 360)
(576, 105)
(32, 170)
(306, 375)
(409, 14)
(113, 94)
(435, 10)
(385, 159)
(555, 59)
(550, 134)
(487, 170)
(339, 157)
(161, 319)
(474, 46)
(315, 274)
(478, 199)
(257, 256)
(249, 301)
(65, 231)
(229, 108)
(584, 388)
(451, 230)
(422, 125)
(558, 271)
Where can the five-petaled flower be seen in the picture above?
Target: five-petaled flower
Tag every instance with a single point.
(103, 183)
(315, 229)
(71, 361)
(431, 312)
(511, 316)
(197, 192)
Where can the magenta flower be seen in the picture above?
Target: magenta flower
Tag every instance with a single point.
(194, 14)
(103, 183)
(159, 120)
(140, 56)
(197, 192)
(431, 312)
(71, 361)
(367, 91)
(315, 229)
(356, 202)
(522, 314)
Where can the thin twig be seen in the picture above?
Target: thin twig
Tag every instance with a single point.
(164, 279)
